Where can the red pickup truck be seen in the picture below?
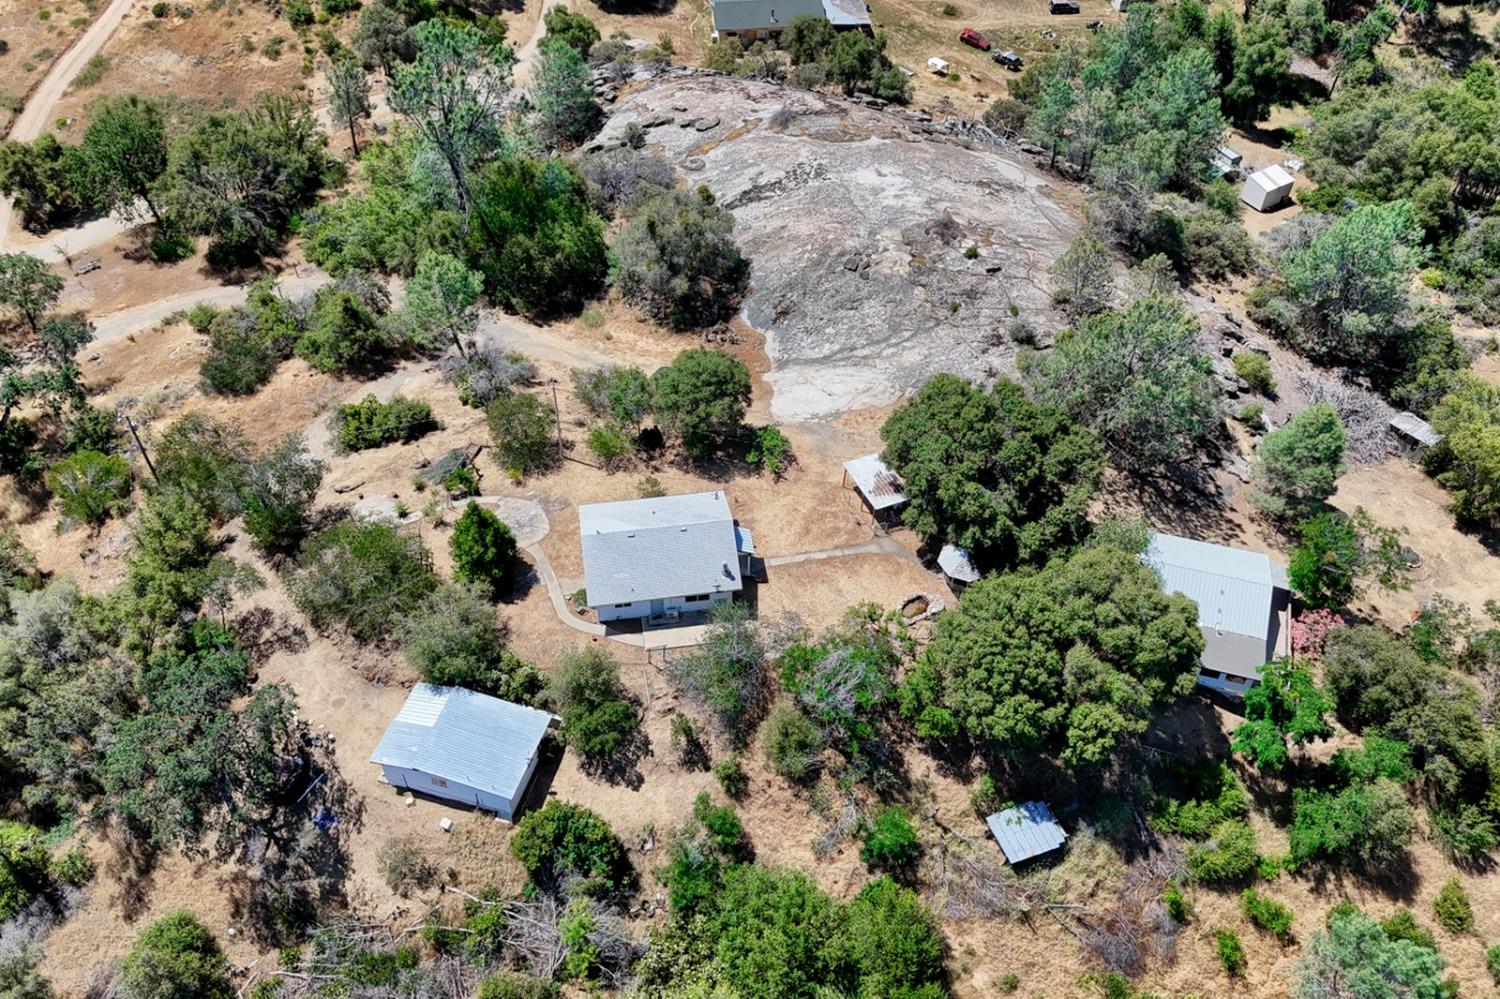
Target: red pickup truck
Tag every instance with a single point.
(971, 37)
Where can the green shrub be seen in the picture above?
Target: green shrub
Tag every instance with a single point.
(1492, 962)
(240, 358)
(562, 840)
(732, 777)
(1402, 925)
(1227, 857)
(23, 866)
(73, 868)
(890, 842)
(405, 866)
(792, 744)
(160, 9)
(597, 717)
(299, 13)
(364, 576)
(521, 428)
(509, 985)
(1267, 913)
(453, 639)
(1452, 908)
(1231, 952)
(371, 423)
(92, 429)
(175, 956)
(91, 487)
(461, 483)
(984, 796)
(771, 450)
(1178, 906)
(1255, 369)
(612, 445)
(171, 246)
(1011, 981)
(1207, 794)
(483, 548)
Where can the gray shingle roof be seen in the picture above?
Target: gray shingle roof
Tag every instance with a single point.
(1026, 831)
(1233, 588)
(650, 549)
(880, 486)
(464, 737)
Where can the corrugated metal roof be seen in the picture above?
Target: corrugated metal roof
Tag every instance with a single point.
(464, 737)
(744, 540)
(955, 563)
(880, 486)
(1416, 428)
(846, 13)
(740, 15)
(650, 549)
(1233, 588)
(1026, 831)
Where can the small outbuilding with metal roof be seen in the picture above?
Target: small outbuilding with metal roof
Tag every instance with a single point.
(958, 567)
(453, 743)
(1268, 189)
(882, 489)
(1026, 831)
(1414, 433)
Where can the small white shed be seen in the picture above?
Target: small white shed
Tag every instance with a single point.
(938, 65)
(1267, 189)
(958, 567)
(452, 743)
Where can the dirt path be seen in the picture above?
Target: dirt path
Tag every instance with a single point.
(127, 321)
(35, 117)
(526, 54)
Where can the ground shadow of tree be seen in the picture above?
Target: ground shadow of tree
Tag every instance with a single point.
(263, 633)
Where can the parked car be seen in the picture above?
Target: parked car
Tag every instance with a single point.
(971, 37)
(1008, 59)
(1063, 7)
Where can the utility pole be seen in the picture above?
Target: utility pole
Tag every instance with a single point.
(136, 434)
(557, 416)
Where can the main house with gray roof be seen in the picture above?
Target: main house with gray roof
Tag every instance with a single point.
(661, 558)
(753, 19)
(1244, 606)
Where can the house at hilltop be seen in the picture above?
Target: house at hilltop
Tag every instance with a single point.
(1244, 606)
(749, 20)
(661, 558)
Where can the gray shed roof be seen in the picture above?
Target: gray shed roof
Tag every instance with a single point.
(1233, 588)
(846, 13)
(1413, 426)
(650, 549)
(464, 737)
(880, 486)
(741, 15)
(1026, 831)
(955, 563)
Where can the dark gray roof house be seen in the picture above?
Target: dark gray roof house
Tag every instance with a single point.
(750, 19)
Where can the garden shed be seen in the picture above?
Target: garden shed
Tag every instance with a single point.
(452, 743)
(882, 489)
(1026, 831)
(1414, 433)
(958, 567)
(1267, 189)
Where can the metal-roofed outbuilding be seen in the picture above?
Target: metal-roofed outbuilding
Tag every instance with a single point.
(453, 743)
(1026, 831)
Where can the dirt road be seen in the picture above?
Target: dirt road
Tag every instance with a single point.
(526, 54)
(37, 114)
(127, 321)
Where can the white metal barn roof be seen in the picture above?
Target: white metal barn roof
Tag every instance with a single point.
(1026, 831)
(650, 549)
(464, 737)
(1233, 588)
(880, 486)
(955, 563)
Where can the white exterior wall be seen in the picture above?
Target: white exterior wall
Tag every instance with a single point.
(638, 609)
(425, 783)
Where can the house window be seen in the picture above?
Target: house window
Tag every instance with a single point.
(622, 605)
(696, 598)
(439, 782)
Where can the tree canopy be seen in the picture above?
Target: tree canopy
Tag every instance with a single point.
(991, 471)
(1067, 660)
